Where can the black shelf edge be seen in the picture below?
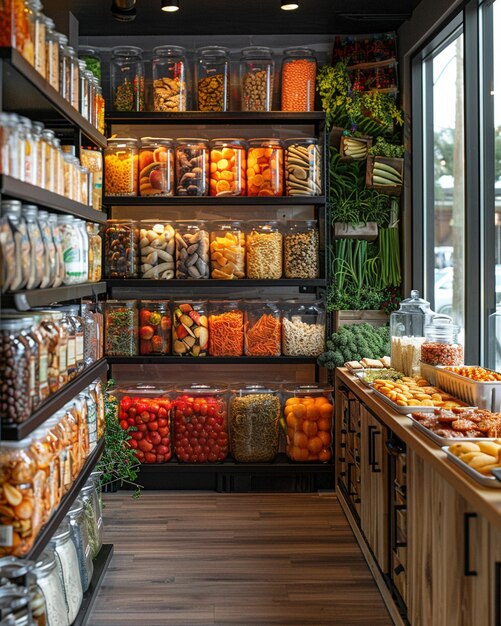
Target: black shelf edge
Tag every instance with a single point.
(25, 300)
(54, 403)
(213, 201)
(209, 360)
(48, 529)
(101, 564)
(152, 117)
(30, 93)
(47, 199)
(146, 284)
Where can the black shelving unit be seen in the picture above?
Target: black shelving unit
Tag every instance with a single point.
(25, 300)
(67, 500)
(210, 360)
(13, 188)
(216, 118)
(145, 284)
(54, 403)
(101, 563)
(214, 201)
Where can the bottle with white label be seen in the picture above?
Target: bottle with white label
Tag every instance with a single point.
(72, 244)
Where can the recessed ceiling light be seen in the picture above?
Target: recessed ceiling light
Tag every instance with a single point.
(287, 5)
(169, 6)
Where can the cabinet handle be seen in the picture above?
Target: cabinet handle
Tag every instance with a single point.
(393, 448)
(375, 465)
(497, 592)
(467, 569)
(350, 491)
(370, 443)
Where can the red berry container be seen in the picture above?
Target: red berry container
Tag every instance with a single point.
(154, 327)
(200, 424)
(147, 410)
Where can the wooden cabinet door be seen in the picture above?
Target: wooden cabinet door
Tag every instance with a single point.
(494, 576)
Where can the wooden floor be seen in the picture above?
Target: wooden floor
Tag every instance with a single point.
(188, 559)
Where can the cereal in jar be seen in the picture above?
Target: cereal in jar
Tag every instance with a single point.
(121, 167)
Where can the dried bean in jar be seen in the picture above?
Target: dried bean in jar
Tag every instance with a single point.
(192, 167)
(120, 253)
(192, 251)
(15, 399)
(301, 250)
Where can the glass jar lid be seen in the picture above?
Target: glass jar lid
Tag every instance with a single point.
(227, 142)
(88, 51)
(167, 51)
(156, 141)
(228, 225)
(63, 532)
(264, 225)
(295, 140)
(198, 389)
(127, 52)
(306, 224)
(122, 142)
(254, 388)
(45, 564)
(76, 508)
(311, 390)
(266, 142)
(299, 51)
(188, 141)
(257, 52)
(414, 304)
(213, 51)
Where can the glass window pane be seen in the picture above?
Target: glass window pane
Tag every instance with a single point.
(448, 209)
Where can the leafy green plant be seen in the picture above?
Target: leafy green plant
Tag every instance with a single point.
(118, 463)
(386, 149)
(355, 342)
(389, 249)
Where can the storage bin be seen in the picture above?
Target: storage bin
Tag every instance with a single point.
(227, 250)
(192, 167)
(303, 329)
(156, 167)
(154, 327)
(227, 167)
(190, 328)
(121, 328)
(262, 328)
(226, 328)
(264, 250)
(303, 167)
(170, 79)
(265, 159)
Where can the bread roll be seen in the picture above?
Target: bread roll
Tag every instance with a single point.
(463, 447)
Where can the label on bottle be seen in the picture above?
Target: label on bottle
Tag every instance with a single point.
(79, 348)
(63, 360)
(33, 377)
(70, 353)
(43, 363)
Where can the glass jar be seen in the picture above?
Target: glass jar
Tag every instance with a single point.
(87, 494)
(69, 176)
(92, 59)
(71, 364)
(51, 585)
(200, 424)
(70, 79)
(154, 327)
(299, 69)
(38, 36)
(170, 79)
(309, 412)
(15, 399)
(441, 345)
(156, 437)
(15, 28)
(227, 167)
(303, 167)
(21, 490)
(256, 78)
(37, 251)
(121, 167)
(38, 160)
(52, 54)
(27, 152)
(120, 249)
(55, 318)
(156, 167)
(76, 321)
(48, 159)
(213, 78)
(192, 250)
(56, 236)
(50, 334)
(192, 167)
(100, 105)
(303, 329)
(72, 422)
(95, 252)
(74, 270)
(265, 168)
(15, 246)
(58, 167)
(127, 78)
(190, 328)
(20, 572)
(9, 145)
(43, 357)
(14, 607)
(75, 79)
(264, 250)
(254, 423)
(84, 85)
(94, 483)
(301, 249)
(8, 268)
(121, 326)
(91, 417)
(66, 557)
(32, 348)
(80, 538)
(227, 250)
(226, 328)
(62, 42)
(93, 99)
(92, 159)
(262, 328)
(46, 448)
(157, 246)
(81, 227)
(91, 333)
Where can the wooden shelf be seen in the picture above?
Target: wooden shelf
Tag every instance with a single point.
(101, 564)
(54, 403)
(213, 201)
(210, 360)
(230, 117)
(19, 190)
(26, 300)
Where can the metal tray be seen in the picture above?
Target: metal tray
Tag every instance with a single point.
(403, 410)
(443, 441)
(486, 481)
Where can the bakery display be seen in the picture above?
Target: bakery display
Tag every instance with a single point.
(460, 423)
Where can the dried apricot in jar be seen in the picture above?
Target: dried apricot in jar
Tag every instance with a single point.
(265, 168)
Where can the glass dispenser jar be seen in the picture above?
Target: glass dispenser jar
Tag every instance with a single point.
(156, 167)
(192, 167)
(121, 167)
(192, 250)
(256, 78)
(441, 345)
(170, 79)
(213, 78)
(121, 327)
(127, 78)
(226, 328)
(154, 327)
(301, 249)
(157, 248)
(309, 412)
(303, 167)
(303, 329)
(264, 250)
(254, 423)
(200, 424)
(265, 168)
(120, 249)
(190, 328)
(299, 69)
(227, 250)
(227, 167)
(262, 328)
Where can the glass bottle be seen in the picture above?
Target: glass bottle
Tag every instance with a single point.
(156, 167)
(52, 54)
(83, 89)
(121, 167)
(227, 167)
(38, 36)
(213, 78)
(299, 69)
(84, 239)
(56, 236)
(9, 145)
(66, 558)
(256, 78)
(14, 245)
(62, 42)
(95, 252)
(127, 78)
(37, 264)
(160, 263)
(92, 59)
(441, 345)
(39, 161)
(170, 80)
(263, 328)
(264, 250)
(265, 168)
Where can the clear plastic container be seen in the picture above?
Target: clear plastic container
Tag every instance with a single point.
(227, 250)
(265, 159)
(52, 588)
(192, 250)
(309, 413)
(9, 145)
(227, 167)
(200, 424)
(153, 443)
(301, 249)
(56, 236)
(299, 69)
(80, 537)
(157, 248)
(190, 328)
(14, 244)
(74, 270)
(95, 252)
(192, 167)
(121, 167)
(154, 327)
(37, 250)
(262, 328)
(156, 167)
(92, 159)
(226, 328)
(127, 78)
(67, 567)
(170, 79)
(21, 491)
(120, 249)
(256, 78)
(213, 78)
(84, 104)
(92, 59)
(264, 250)
(303, 329)
(15, 399)
(121, 328)
(93, 336)
(303, 167)
(39, 161)
(441, 345)
(254, 423)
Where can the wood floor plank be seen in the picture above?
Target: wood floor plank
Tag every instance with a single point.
(207, 559)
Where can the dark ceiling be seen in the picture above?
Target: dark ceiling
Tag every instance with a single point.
(246, 17)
